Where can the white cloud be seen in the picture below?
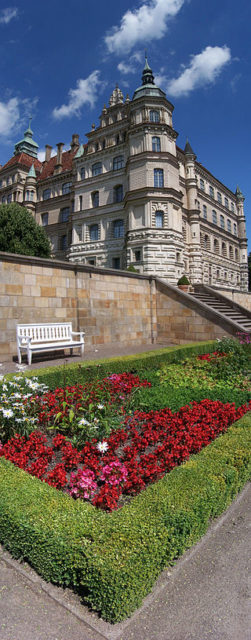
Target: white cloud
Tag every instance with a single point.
(131, 65)
(142, 25)
(41, 154)
(9, 116)
(85, 93)
(6, 15)
(203, 69)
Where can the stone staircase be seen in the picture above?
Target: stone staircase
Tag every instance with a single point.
(226, 307)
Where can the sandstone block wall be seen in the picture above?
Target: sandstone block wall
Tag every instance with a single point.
(108, 307)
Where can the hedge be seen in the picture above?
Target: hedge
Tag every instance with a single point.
(114, 559)
(91, 370)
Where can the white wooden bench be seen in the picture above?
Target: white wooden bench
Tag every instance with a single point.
(47, 337)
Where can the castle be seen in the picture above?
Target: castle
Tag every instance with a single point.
(131, 196)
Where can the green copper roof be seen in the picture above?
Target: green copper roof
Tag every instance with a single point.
(32, 172)
(148, 88)
(80, 152)
(27, 144)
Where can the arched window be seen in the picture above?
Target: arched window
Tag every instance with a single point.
(118, 193)
(236, 253)
(155, 143)
(46, 194)
(204, 212)
(95, 199)
(206, 242)
(224, 249)
(216, 246)
(231, 252)
(96, 169)
(229, 226)
(159, 219)
(118, 163)
(66, 187)
(158, 178)
(154, 116)
(93, 230)
(222, 222)
(235, 229)
(118, 229)
(82, 173)
(214, 216)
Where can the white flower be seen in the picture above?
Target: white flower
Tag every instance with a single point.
(1, 377)
(95, 420)
(100, 406)
(4, 387)
(7, 413)
(102, 446)
(83, 421)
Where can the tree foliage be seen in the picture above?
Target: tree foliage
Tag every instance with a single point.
(20, 233)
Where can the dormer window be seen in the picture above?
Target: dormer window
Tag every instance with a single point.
(154, 116)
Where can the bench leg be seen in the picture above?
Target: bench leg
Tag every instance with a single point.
(29, 355)
(82, 349)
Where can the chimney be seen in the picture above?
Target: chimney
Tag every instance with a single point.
(75, 142)
(58, 166)
(48, 150)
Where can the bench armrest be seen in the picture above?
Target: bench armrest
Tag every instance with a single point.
(23, 341)
(78, 333)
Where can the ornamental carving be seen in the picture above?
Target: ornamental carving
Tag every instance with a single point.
(159, 206)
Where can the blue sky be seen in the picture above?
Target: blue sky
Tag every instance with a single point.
(60, 61)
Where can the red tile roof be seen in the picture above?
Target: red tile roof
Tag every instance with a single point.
(49, 167)
(23, 159)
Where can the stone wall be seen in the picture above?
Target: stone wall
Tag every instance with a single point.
(244, 299)
(180, 319)
(109, 307)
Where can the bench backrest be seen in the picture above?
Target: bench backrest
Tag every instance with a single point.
(56, 332)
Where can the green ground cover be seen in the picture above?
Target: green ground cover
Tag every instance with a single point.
(113, 559)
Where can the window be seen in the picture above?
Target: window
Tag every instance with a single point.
(46, 194)
(117, 139)
(219, 197)
(202, 185)
(118, 230)
(211, 191)
(118, 193)
(235, 229)
(158, 178)
(96, 169)
(214, 216)
(137, 255)
(222, 222)
(226, 203)
(3, 199)
(44, 218)
(95, 198)
(7, 180)
(155, 143)
(207, 242)
(64, 214)
(224, 249)
(232, 207)
(204, 212)
(9, 197)
(116, 263)
(96, 146)
(29, 196)
(91, 261)
(104, 144)
(154, 116)
(236, 253)
(80, 202)
(82, 173)
(66, 187)
(231, 252)
(229, 226)
(159, 219)
(93, 230)
(216, 246)
(118, 163)
(13, 178)
(63, 243)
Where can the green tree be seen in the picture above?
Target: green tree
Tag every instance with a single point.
(20, 233)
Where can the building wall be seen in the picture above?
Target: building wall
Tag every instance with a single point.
(110, 307)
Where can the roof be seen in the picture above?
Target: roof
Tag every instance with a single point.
(23, 159)
(49, 167)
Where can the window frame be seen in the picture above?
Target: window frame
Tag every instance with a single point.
(91, 229)
(154, 115)
(159, 215)
(65, 214)
(66, 188)
(97, 169)
(158, 178)
(118, 229)
(118, 163)
(95, 199)
(46, 194)
(156, 143)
